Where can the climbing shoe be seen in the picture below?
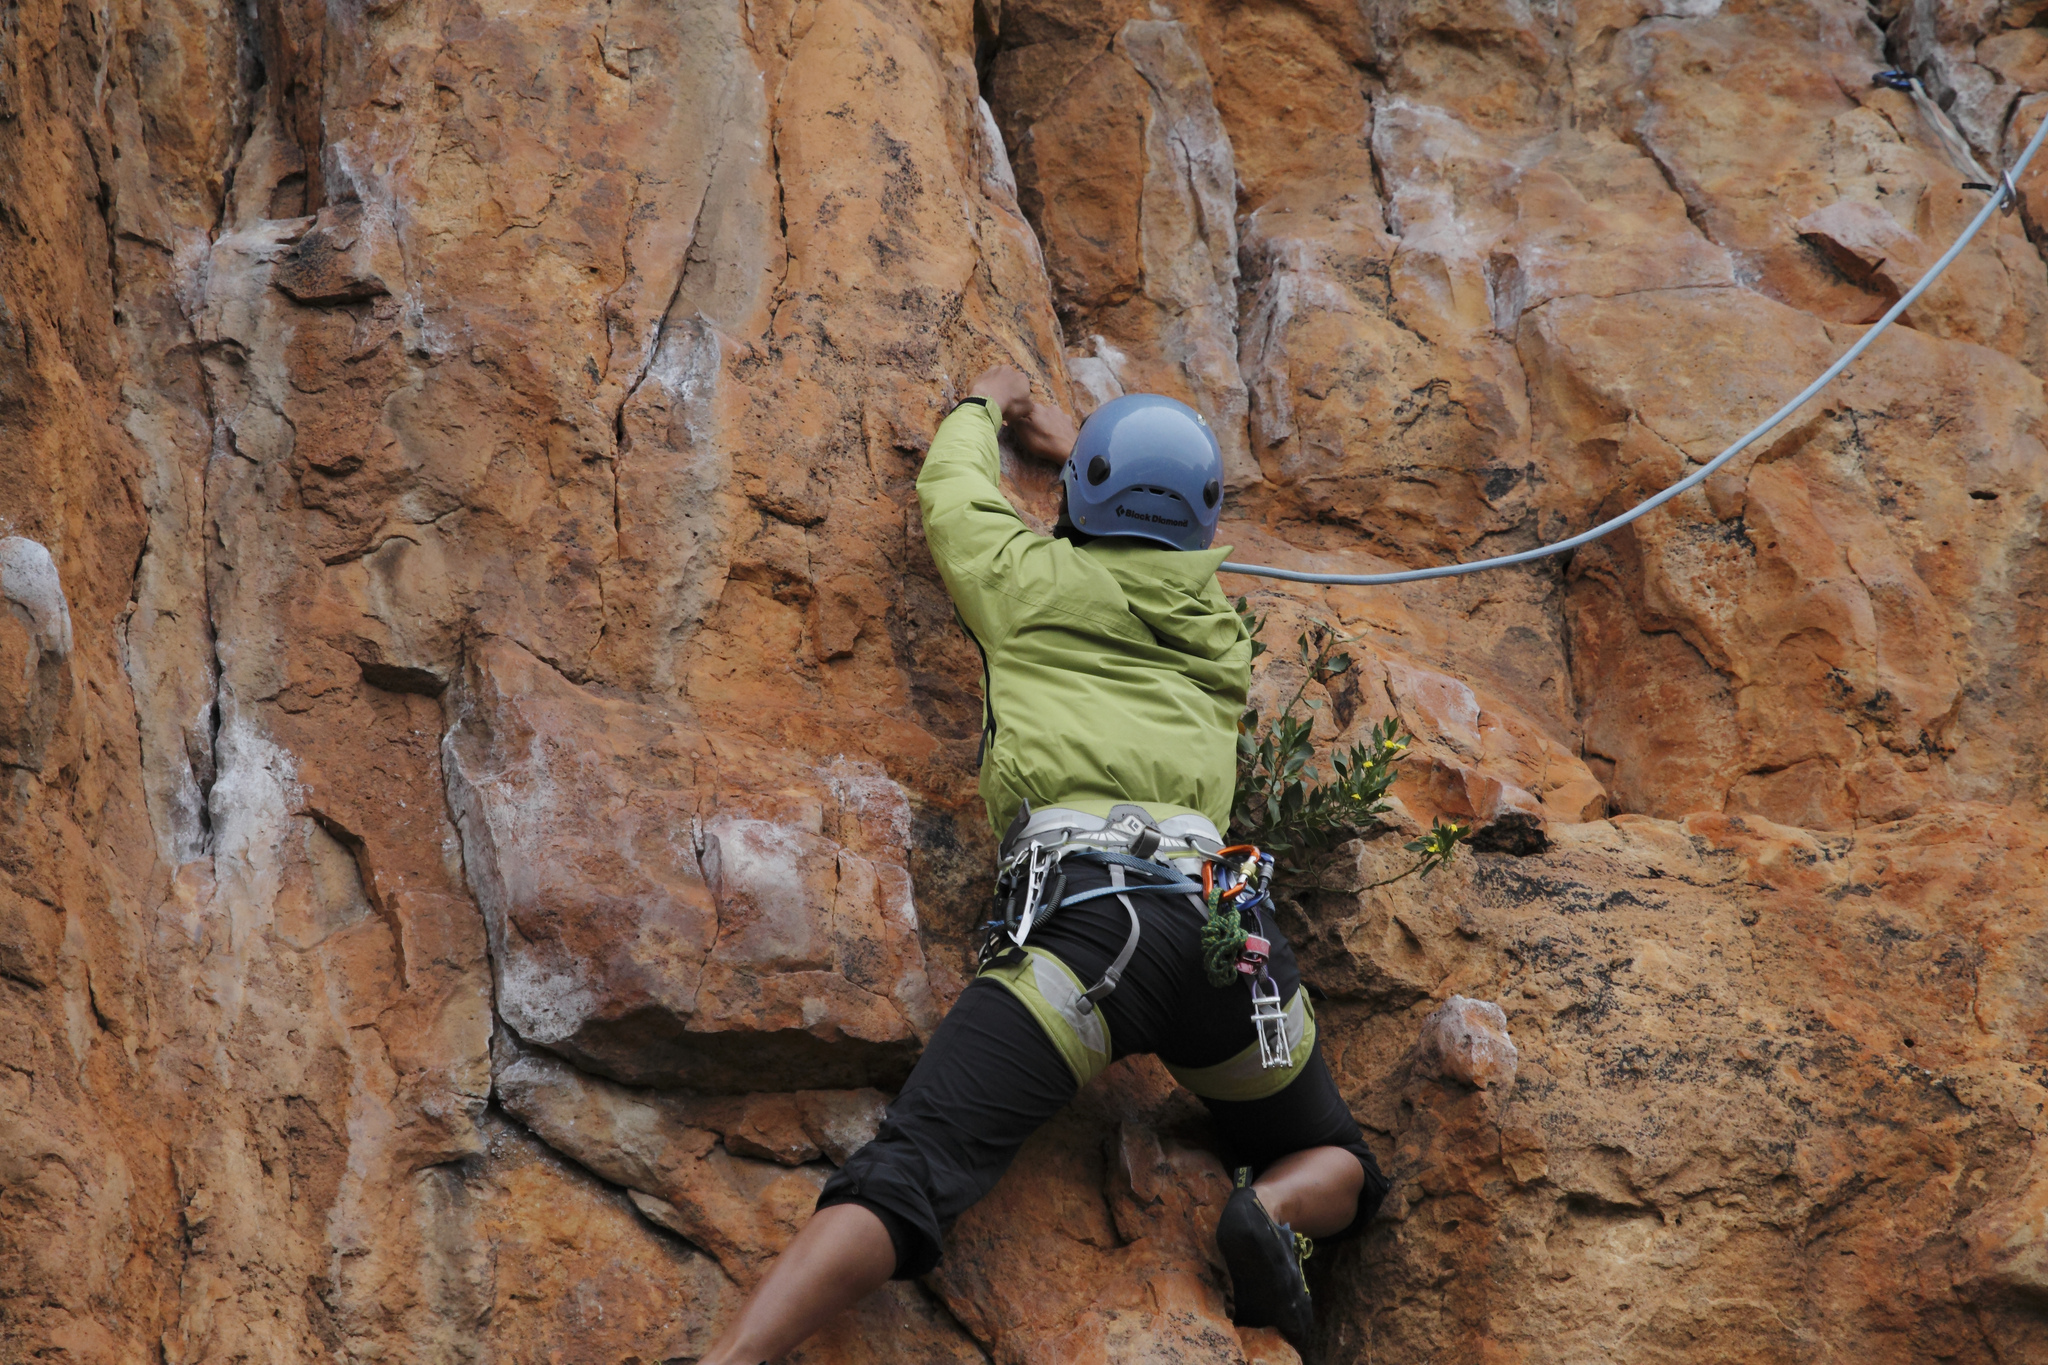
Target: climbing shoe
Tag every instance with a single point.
(1264, 1259)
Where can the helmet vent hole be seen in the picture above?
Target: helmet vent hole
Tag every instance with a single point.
(1211, 491)
(1098, 470)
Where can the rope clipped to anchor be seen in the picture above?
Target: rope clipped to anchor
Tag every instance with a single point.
(2003, 197)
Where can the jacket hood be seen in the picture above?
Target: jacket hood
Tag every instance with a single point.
(1175, 593)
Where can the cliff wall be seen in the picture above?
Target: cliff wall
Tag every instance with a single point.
(489, 765)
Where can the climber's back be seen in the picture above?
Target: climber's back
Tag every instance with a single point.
(1116, 668)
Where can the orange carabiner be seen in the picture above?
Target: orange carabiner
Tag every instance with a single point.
(1209, 868)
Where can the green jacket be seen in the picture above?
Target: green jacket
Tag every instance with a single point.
(1114, 673)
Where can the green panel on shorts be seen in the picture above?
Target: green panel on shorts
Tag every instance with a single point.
(1051, 992)
(1244, 1077)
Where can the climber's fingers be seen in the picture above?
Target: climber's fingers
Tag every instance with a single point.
(1045, 432)
(1007, 387)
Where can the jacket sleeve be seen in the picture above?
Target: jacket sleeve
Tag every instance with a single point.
(977, 539)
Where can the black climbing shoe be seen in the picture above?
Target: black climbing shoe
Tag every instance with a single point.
(1264, 1259)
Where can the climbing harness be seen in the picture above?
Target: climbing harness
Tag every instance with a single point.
(1031, 882)
(1140, 854)
(2003, 198)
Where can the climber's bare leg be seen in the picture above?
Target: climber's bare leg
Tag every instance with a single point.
(1314, 1191)
(842, 1255)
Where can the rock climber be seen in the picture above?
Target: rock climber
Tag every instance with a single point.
(1116, 671)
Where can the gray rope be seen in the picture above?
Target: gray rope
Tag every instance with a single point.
(1999, 198)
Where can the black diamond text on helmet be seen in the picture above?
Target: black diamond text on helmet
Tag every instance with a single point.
(1152, 517)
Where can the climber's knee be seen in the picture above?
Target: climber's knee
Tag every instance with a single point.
(1309, 1112)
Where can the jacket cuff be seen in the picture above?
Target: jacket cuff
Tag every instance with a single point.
(995, 415)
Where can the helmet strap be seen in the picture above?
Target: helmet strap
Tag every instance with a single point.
(1064, 528)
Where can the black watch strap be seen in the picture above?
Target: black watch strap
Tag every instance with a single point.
(976, 398)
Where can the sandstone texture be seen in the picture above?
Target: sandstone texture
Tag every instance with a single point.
(487, 808)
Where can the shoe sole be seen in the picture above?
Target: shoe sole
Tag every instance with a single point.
(1265, 1277)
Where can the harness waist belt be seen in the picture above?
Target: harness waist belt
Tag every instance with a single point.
(1127, 828)
(1126, 841)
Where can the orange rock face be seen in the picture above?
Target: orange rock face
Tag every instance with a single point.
(488, 762)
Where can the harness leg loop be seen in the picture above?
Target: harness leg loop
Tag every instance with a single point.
(1110, 978)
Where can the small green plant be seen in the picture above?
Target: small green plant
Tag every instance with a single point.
(1282, 806)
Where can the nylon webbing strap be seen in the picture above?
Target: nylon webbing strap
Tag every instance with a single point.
(1065, 841)
(1110, 978)
(1167, 880)
(1144, 866)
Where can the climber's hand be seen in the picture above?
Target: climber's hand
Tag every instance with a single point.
(1046, 433)
(1008, 388)
(1040, 430)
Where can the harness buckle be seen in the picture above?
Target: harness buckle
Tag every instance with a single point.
(1141, 835)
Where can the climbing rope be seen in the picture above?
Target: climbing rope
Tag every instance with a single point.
(1223, 939)
(2003, 196)
(1223, 928)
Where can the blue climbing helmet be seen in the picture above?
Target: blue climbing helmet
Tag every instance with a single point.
(1146, 466)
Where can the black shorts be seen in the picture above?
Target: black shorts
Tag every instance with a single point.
(990, 1076)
